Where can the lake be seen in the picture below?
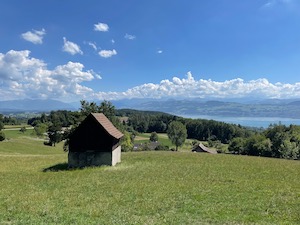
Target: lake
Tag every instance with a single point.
(248, 121)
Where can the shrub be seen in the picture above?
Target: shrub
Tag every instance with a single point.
(2, 136)
(162, 148)
(154, 137)
(48, 143)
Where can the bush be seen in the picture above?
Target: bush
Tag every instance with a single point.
(48, 143)
(2, 136)
(154, 137)
(162, 148)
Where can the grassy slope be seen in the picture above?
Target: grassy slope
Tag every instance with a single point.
(147, 188)
(163, 140)
(26, 143)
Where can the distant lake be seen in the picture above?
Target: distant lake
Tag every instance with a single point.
(248, 121)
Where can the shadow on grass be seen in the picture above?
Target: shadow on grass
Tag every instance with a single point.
(57, 167)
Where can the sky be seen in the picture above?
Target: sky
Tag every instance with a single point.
(110, 50)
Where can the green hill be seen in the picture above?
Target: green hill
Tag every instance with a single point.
(146, 188)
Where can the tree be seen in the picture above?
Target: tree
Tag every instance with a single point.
(126, 142)
(1, 122)
(177, 133)
(105, 107)
(40, 129)
(108, 109)
(54, 133)
(2, 136)
(88, 107)
(23, 129)
(154, 137)
(237, 145)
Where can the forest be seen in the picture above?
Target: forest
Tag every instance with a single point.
(277, 140)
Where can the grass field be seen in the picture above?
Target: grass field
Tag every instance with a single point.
(146, 188)
(163, 140)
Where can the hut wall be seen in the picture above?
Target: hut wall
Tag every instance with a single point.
(116, 156)
(89, 158)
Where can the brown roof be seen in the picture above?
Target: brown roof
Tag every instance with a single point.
(107, 125)
(204, 148)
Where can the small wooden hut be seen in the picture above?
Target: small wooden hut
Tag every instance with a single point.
(201, 148)
(95, 142)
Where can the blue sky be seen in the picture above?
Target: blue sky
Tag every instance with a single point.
(72, 50)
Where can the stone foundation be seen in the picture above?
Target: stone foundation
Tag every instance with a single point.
(94, 158)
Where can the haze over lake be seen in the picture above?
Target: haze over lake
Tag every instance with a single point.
(248, 121)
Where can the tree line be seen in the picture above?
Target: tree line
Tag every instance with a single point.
(131, 122)
(8, 120)
(277, 141)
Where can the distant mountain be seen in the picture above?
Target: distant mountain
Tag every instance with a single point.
(288, 108)
(33, 105)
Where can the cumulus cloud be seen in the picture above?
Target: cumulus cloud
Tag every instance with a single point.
(103, 27)
(34, 36)
(129, 37)
(71, 47)
(189, 87)
(22, 76)
(107, 53)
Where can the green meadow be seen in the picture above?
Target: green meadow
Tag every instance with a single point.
(145, 188)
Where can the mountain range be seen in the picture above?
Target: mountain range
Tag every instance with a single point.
(34, 105)
(284, 108)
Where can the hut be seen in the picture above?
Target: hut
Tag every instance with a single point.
(201, 148)
(95, 142)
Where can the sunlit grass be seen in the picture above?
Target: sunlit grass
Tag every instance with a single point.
(26, 143)
(151, 188)
(17, 126)
(163, 140)
(16, 133)
(146, 188)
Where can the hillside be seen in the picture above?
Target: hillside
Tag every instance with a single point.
(289, 108)
(146, 188)
(267, 108)
(33, 105)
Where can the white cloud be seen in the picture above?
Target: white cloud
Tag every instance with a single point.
(93, 45)
(159, 51)
(107, 53)
(22, 76)
(189, 87)
(71, 47)
(129, 37)
(72, 71)
(35, 36)
(103, 27)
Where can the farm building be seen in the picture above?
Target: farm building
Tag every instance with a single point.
(95, 142)
(201, 148)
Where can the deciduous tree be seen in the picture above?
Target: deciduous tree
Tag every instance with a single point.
(154, 137)
(177, 133)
